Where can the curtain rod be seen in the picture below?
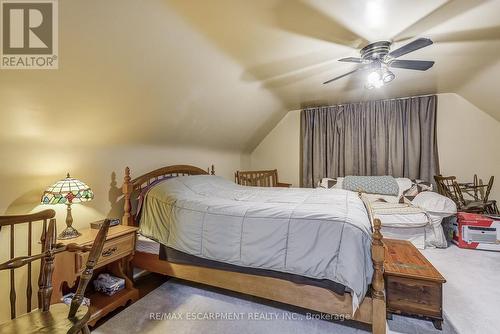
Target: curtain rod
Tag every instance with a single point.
(405, 97)
(388, 99)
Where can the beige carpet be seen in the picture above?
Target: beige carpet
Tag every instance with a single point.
(472, 291)
(181, 308)
(471, 305)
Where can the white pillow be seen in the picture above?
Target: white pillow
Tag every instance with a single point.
(404, 184)
(340, 182)
(435, 203)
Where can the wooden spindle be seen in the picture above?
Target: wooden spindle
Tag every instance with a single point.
(29, 289)
(45, 278)
(12, 295)
(42, 264)
(44, 230)
(127, 192)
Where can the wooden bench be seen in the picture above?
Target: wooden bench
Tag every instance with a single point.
(413, 286)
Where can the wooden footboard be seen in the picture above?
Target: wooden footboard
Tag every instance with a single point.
(371, 311)
(378, 291)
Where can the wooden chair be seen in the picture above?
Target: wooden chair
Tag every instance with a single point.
(259, 178)
(449, 187)
(446, 187)
(481, 193)
(57, 318)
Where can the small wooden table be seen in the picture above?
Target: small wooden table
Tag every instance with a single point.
(413, 286)
(116, 254)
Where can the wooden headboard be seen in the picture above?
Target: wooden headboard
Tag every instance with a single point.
(136, 185)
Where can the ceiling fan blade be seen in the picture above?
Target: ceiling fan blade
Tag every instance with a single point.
(441, 14)
(418, 65)
(351, 60)
(410, 47)
(300, 18)
(344, 75)
(291, 67)
(482, 34)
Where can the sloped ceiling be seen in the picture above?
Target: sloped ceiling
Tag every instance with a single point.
(221, 73)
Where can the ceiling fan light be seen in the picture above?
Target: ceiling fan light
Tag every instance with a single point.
(388, 76)
(378, 84)
(373, 77)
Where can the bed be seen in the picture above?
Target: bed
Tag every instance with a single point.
(415, 214)
(207, 221)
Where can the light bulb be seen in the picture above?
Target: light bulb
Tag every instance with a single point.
(378, 83)
(373, 77)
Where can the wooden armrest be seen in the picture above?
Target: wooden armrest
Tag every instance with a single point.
(465, 184)
(472, 186)
(76, 248)
(283, 184)
(20, 261)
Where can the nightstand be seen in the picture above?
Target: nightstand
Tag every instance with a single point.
(117, 252)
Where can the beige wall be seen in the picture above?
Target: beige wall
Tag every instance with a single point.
(28, 168)
(280, 149)
(467, 142)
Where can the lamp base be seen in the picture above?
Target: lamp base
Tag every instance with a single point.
(69, 233)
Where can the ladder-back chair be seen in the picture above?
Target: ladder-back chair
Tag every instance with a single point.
(449, 187)
(31, 220)
(259, 178)
(446, 187)
(58, 318)
(482, 194)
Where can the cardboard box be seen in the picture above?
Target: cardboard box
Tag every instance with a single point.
(476, 231)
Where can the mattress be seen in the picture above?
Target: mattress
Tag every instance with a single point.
(147, 245)
(315, 233)
(410, 220)
(416, 235)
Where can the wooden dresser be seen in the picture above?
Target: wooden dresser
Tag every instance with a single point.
(117, 252)
(413, 286)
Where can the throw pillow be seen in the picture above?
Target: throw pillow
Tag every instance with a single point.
(416, 188)
(327, 183)
(384, 185)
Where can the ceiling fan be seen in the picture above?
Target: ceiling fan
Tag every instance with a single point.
(303, 18)
(378, 58)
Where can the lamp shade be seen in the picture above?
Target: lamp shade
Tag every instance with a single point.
(67, 191)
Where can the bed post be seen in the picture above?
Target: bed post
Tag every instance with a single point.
(212, 171)
(127, 189)
(378, 293)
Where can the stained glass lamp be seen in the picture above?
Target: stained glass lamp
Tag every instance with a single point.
(68, 191)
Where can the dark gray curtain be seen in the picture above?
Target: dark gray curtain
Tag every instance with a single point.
(388, 137)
